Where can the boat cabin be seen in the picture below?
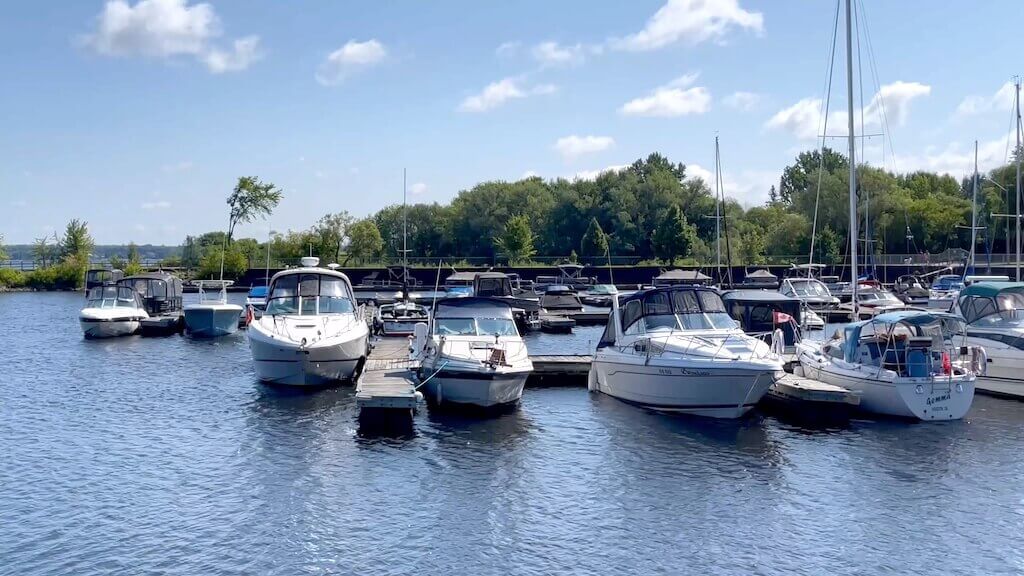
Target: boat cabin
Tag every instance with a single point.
(473, 316)
(669, 309)
(561, 299)
(160, 291)
(806, 289)
(992, 304)
(493, 284)
(310, 292)
(910, 343)
(679, 277)
(761, 279)
(760, 312)
(113, 296)
(100, 276)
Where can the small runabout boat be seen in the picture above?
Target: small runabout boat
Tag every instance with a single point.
(311, 332)
(399, 318)
(257, 297)
(600, 295)
(111, 311)
(471, 353)
(212, 316)
(901, 363)
(675, 349)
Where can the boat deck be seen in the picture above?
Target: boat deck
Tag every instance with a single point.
(386, 382)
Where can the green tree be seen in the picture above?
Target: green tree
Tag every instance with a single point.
(251, 198)
(117, 262)
(77, 243)
(3, 253)
(43, 253)
(674, 236)
(330, 231)
(235, 263)
(594, 242)
(134, 264)
(365, 241)
(516, 241)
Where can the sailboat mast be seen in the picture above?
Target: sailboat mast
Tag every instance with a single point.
(718, 218)
(974, 206)
(266, 277)
(405, 231)
(853, 162)
(1017, 152)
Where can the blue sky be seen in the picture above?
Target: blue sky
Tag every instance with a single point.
(139, 116)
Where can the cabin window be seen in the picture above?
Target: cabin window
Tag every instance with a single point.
(631, 312)
(608, 336)
(496, 326)
(456, 327)
(685, 302)
(334, 296)
(711, 302)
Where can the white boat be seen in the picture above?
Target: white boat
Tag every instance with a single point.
(399, 318)
(675, 349)
(900, 363)
(871, 301)
(944, 291)
(257, 297)
(994, 317)
(816, 298)
(472, 353)
(111, 311)
(311, 332)
(212, 316)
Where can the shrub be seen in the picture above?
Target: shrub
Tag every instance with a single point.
(11, 278)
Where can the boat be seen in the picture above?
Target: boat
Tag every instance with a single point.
(111, 311)
(818, 302)
(311, 332)
(561, 300)
(871, 301)
(769, 316)
(944, 291)
(161, 298)
(212, 316)
(679, 277)
(600, 295)
(993, 313)
(399, 318)
(900, 363)
(761, 279)
(100, 277)
(471, 353)
(675, 349)
(568, 275)
(459, 284)
(257, 297)
(525, 311)
(910, 290)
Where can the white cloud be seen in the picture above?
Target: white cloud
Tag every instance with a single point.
(508, 49)
(748, 187)
(676, 98)
(745, 101)
(957, 159)
(554, 54)
(349, 59)
(243, 53)
(156, 205)
(498, 93)
(183, 166)
(894, 99)
(691, 21)
(168, 28)
(418, 188)
(139, 228)
(973, 105)
(803, 119)
(571, 147)
(593, 174)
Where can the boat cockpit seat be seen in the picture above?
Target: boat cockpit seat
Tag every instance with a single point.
(917, 364)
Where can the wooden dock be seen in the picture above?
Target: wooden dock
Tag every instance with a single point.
(561, 364)
(386, 382)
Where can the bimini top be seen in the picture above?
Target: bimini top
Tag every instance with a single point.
(912, 318)
(461, 277)
(991, 289)
(168, 285)
(310, 270)
(473, 307)
(757, 296)
(683, 275)
(762, 274)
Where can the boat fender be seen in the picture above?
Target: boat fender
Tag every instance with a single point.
(979, 360)
(249, 314)
(778, 340)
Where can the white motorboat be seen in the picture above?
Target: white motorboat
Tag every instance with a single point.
(257, 298)
(994, 317)
(675, 349)
(871, 301)
(818, 301)
(901, 365)
(212, 316)
(944, 291)
(311, 332)
(399, 318)
(111, 311)
(472, 353)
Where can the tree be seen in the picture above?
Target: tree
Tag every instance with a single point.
(365, 241)
(330, 231)
(251, 198)
(134, 264)
(673, 236)
(516, 242)
(77, 243)
(235, 263)
(117, 263)
(43, 254)
(594, 242)
(3, 253)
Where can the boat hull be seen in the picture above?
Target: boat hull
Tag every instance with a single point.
(1004, 376)
(483, 389)
(206, 322)
(718, 392)
(93, 328)
(280, 362)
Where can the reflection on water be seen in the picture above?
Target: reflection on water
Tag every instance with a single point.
(144, 455)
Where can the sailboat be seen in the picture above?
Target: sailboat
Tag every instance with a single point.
(213, 316)
(901, 363)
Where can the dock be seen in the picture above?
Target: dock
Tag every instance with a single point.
(553, 365)
(386, 382)
(811, 399)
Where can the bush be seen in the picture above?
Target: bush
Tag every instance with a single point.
(68, 275)
(11, 278)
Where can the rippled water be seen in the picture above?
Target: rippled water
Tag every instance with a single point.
(165, 456)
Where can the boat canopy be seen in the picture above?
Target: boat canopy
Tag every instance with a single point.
(258, 292)
(762, 275)
(681, 276)
(460, 279)
(160, 291)
(111, 296)
(984, 299)
(991, 289)
(472, 307)
(492, 284)
(914, 321)
(310, 291)
(685, 307)
(755, 311)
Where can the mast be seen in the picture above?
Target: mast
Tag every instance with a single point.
(266, 278)
(1017, 188)
(718, 218)
(405, 238)
(723, 218)
(853, 163)
(974, 206)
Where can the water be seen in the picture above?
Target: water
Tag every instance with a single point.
(165, 456)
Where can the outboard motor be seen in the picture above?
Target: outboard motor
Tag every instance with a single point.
(418, 341)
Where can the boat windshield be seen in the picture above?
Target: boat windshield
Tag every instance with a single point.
(309, 295)
(804, 288)
(948, 283)
(676, 310)
(603, 289)
(1008, 313)
(111, 297)
(476, 327)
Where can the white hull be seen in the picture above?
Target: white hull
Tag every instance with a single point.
(279, 359)
(207, 321)
(882, 392)
(1005, 375)
(717, 392)
(486, 388)
(109, 329)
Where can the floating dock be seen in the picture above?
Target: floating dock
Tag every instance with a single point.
(812, 399)
(556, 323)
(574, 365)
(386, 382)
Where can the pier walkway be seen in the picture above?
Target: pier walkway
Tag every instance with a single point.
(386, 382)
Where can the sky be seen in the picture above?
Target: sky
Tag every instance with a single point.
(139, 116)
